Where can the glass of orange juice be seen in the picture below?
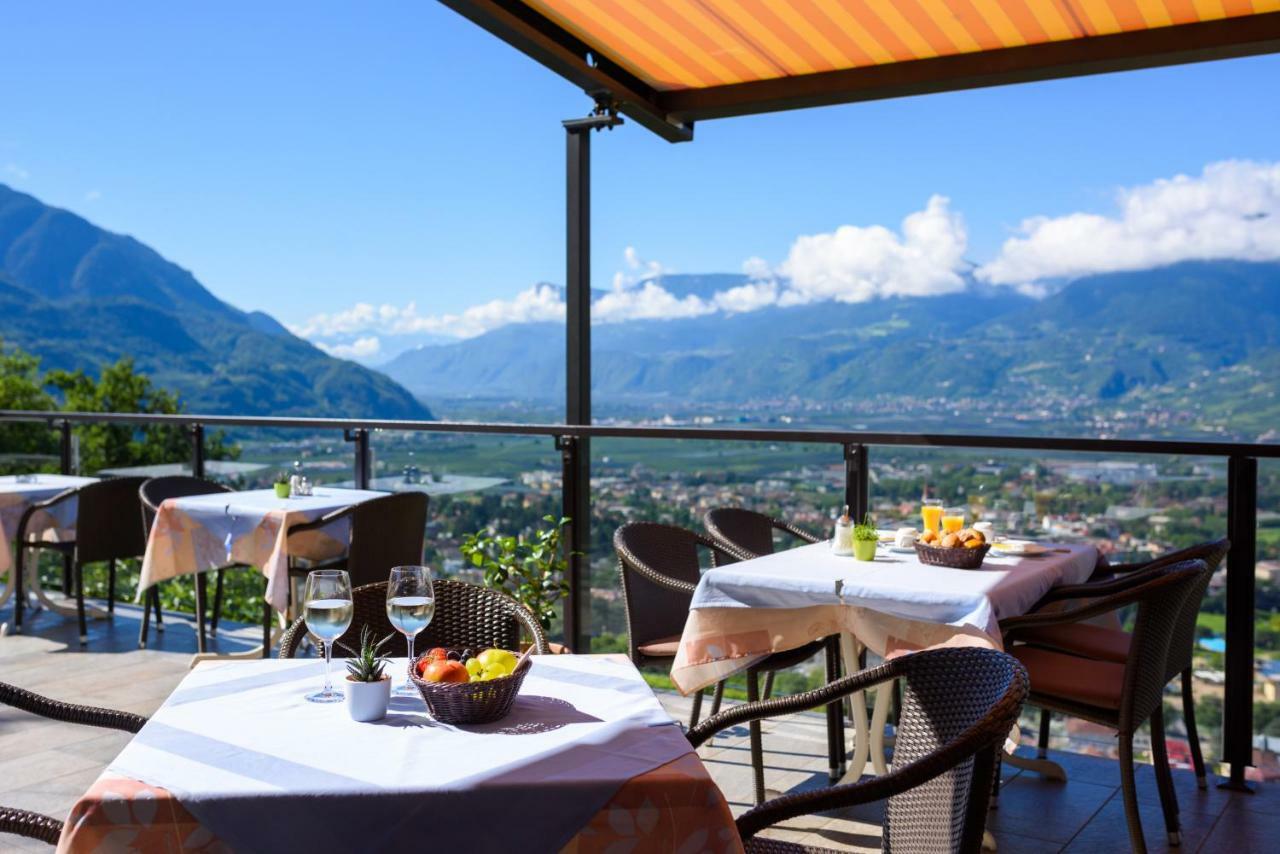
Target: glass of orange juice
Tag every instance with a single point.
(931, 514)
(952, 519)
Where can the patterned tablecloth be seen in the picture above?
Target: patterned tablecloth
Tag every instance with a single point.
(745, 611)
(16, 497)
(204, 532)
(236, 759)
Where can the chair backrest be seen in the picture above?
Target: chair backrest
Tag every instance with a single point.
(1160, 606)
(646, 550)
(950, 696)
(466, 615)
(1182, 644)
(158, 490)
(745, 530)
(749, 532)
(107, 520)
(386, 532)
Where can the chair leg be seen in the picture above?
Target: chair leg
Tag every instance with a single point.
(768, 686)
(757, 748)
(1189, 720)
(835, 714)
(986, 768)
(146, 620)
(201, 590)
(217, 605)
(16, 577)
(1129, 790)
(716, 698)
(111, 588)
(78, 572)
(266, 629)
(697, 709)
(155, 601)
(995, 777)
(1164, 778)
(67, 589)
(1042, 745)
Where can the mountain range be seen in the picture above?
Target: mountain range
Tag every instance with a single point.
(80, 297)
(1101, 338)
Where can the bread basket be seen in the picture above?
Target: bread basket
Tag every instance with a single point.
(953, 558)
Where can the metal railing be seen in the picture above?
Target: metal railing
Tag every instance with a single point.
(1242, 498)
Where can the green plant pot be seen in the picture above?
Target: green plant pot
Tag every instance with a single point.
(864, 549)
(282, 490)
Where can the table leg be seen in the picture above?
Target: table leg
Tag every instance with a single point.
(861, 747)
(43, 600)
(1046, 768)
(257, 652)
(879, 716)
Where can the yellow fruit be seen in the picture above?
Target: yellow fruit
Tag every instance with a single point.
(496, 659)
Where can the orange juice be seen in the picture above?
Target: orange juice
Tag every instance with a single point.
(931, 514)
(952, 521)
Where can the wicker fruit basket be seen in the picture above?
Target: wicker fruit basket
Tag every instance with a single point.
(955, 558)
(470, 702)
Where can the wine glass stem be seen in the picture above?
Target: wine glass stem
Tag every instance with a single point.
(328, 652)
(410, 639)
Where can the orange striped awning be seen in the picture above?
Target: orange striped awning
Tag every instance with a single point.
(694, 44)
(674, 61)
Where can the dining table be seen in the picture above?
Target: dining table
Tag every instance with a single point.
(744, 611)
(19, 492)
(199, 533)
(236, 759)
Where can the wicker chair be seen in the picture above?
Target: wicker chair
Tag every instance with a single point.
(958, 706)
(751, 533)
(1113, 644)
(1119, 696)
(34, 825)
(106, 530)
(385, 532)
(152, 494)
(465, 616)
(660, 568)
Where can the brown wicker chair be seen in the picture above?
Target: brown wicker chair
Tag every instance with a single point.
(751, 533)
(1119, 696)
(106, 530)
(660, 569)
(385, 532)
(152, 494)
(466, 616)
(1113, 644)
(958, 706)
(34, 825)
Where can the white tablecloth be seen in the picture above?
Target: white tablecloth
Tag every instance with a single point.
(263, 769)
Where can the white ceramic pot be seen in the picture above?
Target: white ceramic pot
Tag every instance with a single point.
(367, 701)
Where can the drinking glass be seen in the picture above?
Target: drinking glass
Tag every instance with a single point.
(931, 514)
(328, 614)
(952, 519)
(411, 603)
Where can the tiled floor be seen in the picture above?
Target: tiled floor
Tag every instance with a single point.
(45, 765)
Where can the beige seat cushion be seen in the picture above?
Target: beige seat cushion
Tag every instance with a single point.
(661, 648)
(1082, 639)
(1072, 678)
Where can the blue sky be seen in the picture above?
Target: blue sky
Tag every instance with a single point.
(302, 157)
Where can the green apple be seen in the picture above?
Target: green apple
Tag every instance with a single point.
(498, 659)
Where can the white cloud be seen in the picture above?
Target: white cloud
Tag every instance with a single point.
(361, 348)
(636, 270)
(749, 297)
(13, 170)
(860, 263)
(93, 195)
(1231, 210)
(649, 301)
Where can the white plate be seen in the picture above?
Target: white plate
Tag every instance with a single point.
(902, 550)
(1018, 548)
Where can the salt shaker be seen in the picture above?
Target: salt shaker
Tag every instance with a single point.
(842, 541)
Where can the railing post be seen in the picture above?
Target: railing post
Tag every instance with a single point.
(857, 480)
(197, 450)
(65, 462)
(1237, 701)
(576, 506)
(360, 437)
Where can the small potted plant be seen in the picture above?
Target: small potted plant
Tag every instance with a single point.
(865, 537)
(368, 686)
(282, 486)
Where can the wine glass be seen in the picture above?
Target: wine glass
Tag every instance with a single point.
(328, 614)
(411, 603)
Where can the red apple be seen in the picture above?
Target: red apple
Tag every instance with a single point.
(446, 671)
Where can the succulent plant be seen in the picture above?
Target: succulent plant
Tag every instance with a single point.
(366, 665)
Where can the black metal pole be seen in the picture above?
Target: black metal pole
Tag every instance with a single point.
(64, 447)
(197, 450)
(360, 437)
(1237, 701)
(577, 452)
(857, 480)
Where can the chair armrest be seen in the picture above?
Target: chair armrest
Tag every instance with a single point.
(28, 701)
(1010, 626)
(1094, 589)
(796, 531)
(33, 509)
(796, 703)
(324, 521)
(654, 577)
